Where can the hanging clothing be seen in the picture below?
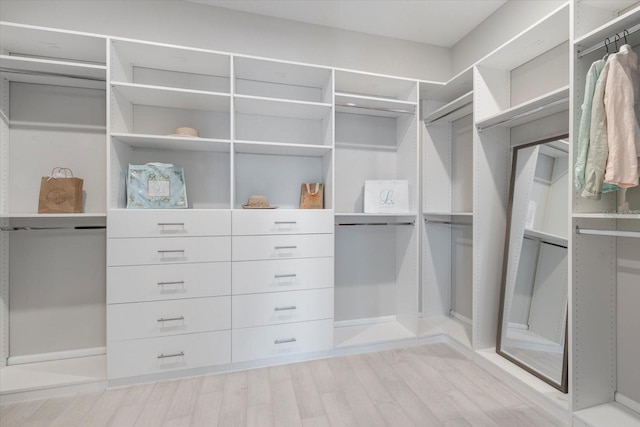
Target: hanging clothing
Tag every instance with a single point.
(621, 103)
(598, 147)
(585, 122)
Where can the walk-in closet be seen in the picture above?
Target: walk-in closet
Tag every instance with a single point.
(309, 215)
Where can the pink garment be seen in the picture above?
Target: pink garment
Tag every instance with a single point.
(622, 109)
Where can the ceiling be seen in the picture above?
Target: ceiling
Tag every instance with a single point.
(436, 22)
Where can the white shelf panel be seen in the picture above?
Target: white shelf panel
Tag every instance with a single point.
(49, 43)
(597, 36)
(375, 333)
(159, 96)
(607, 215)
(174, 58)
(350, 219)
(545, 34)
(458, 108)
(173, 142)
(537, 108)
(261, 106)
(439, 213)
(373, 85)
(53, 68)
(258, 147)
(452, 89)
(37, 221)
(373, 106)
(547, 237)
(608, 414)
(281, 72)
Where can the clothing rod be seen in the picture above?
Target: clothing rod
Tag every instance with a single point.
(525, 114)
(611, 233)
(390, 110)
(45, 73)
(77, 227)
(447, 222)
(427, 123)
(602, 43)
(372, 223)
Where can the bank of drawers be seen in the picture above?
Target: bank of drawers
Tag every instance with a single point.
(282, 283)
(168, 290)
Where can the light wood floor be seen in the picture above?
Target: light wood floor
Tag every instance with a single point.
(429, 385)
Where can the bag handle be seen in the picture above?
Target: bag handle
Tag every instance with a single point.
(309, 189)
(68, 173)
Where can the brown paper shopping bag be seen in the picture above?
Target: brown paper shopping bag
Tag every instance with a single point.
(60, 192)
(312, 196)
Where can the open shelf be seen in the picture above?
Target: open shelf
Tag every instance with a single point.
(372, 106)
(261, 106)
(542, 106)
(607, 215)
(173, 142)
(284, 149)
(462, 214)
(546, 237)
(160, 96)
(458, 108)
(594, 39)
(347, 219)
(457, 86)
(27, 70)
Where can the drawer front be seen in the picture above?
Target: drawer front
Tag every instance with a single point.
(281, 340)
(163, 282)
(275, 308)
(156, 355)
(247, 248)
(282, 221)
(282, 275)
(162, 318)
(167, 250)
(167, 222)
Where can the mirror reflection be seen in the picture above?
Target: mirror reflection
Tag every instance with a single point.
(533, 317)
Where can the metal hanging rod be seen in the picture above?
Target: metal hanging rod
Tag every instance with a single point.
(440, 117)
(37, 228)
(525, 114)
(350, 224)
(49, 74)
(611, 233)
(603, 43)
(428, 221)
(389, 110)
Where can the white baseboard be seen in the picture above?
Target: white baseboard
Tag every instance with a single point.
(629, 403)
(58, 355)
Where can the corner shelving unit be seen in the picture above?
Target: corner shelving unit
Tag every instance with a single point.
(603, 291)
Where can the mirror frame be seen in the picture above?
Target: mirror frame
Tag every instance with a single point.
(563, 385)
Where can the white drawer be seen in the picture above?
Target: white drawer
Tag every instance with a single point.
(167, 222)
(275, 308)
(247, 248)
(162, 282)
(281, 340)
(282, 275)
(162, 318)
(167, 250)
(282, 221)
(155, 355)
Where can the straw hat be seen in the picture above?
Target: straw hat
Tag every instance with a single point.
(258, 202)
(186, 132)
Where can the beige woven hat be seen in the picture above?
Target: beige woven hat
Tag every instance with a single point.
(258, 202)
(186, 132)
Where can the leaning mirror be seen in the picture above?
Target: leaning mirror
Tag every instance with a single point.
(533, 304)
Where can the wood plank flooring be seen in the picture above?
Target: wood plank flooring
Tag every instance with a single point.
(429, 385)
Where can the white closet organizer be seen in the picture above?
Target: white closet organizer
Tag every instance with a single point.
(447, 209)
(376, 255)
(52, 319)
(604, 285)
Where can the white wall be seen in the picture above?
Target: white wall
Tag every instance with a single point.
(191, 24)
(508, 21)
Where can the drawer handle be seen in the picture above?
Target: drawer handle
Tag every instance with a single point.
(282, 276)
(286, 247)
(171, 224)
(291, 307)
(284, 222)
(170, 319)
(171, 251)
(165, 356)
(285, 341)
(179, 282)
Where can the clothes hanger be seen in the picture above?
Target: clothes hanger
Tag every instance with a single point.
(606, 45)
(615, 40)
